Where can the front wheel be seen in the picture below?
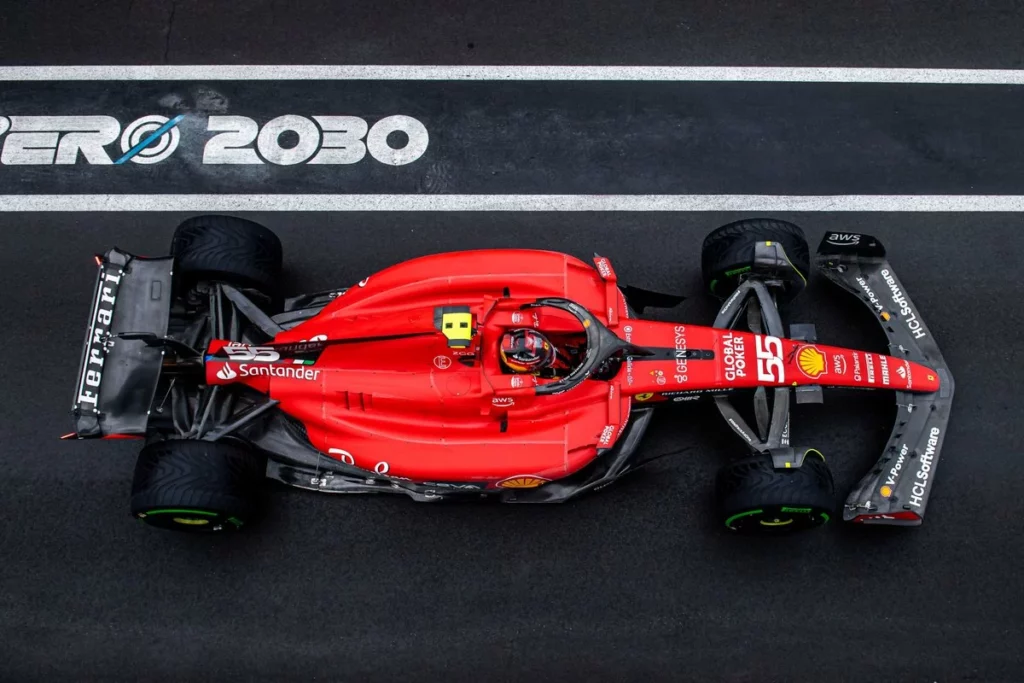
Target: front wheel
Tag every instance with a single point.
(727, 255)
(756, 498)
(197, 486)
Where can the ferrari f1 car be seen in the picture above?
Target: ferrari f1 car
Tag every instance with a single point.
(511, 375)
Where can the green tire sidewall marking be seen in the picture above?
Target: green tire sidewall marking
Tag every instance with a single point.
(739, 515)
(179, 511)
(810, 512)
(737, 271)
(728, 274)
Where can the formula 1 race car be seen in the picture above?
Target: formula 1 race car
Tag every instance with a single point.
(512, 375)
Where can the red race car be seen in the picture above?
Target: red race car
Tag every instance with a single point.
(515, 375)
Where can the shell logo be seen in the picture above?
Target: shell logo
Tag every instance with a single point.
(523, 481)
(811, 361)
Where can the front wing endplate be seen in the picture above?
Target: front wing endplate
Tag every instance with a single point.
(896, 490)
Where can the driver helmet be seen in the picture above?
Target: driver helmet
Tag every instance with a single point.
(526, 350)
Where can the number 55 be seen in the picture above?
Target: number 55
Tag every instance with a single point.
(258, 354)
(769, 359)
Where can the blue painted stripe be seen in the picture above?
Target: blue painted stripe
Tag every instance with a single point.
(151, 139)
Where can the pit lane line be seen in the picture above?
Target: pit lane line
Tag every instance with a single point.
(414, 202)
(509, 202)
(167, 72)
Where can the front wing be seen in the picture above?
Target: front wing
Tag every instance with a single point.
(897, 488)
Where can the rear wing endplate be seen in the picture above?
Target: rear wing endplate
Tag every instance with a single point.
(897, 488)
(117, 377)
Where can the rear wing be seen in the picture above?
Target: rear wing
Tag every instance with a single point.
(117, 378)
(897, 488)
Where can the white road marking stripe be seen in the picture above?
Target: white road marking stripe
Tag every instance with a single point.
(511, 73)
(510, 202)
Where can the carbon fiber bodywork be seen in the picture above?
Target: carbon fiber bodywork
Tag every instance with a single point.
(897, 489)
(118, 377)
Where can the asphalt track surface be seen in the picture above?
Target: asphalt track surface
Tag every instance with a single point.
(916, 33)
(634, 583)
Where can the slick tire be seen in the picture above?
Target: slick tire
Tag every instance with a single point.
(233, 250)
(755, 498)
(198, 486)
(727, 254)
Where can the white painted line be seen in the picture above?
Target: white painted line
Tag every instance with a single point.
(511, 202)
(167, 72)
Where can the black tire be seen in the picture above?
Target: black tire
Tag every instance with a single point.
(728, 253)
(198, 486)
(229, 249)
(756, 498)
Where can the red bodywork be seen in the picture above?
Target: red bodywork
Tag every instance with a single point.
(416, 407)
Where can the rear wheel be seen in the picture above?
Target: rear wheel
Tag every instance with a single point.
(727, 255)
(756, 498)
(197, 486)
(229, 249)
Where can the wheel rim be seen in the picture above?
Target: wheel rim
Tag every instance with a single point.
(777, 519)
(189, 519)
